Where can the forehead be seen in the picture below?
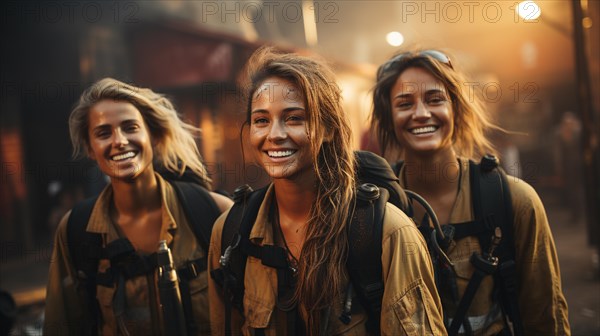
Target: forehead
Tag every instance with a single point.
(275, 89)
(109, 111)
(417, 79)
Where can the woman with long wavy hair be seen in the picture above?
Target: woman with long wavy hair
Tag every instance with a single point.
(424, 111)
(299, 134)
(130, 132)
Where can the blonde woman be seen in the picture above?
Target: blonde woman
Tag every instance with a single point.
(299, 134)
(423, 110)
(129, 132)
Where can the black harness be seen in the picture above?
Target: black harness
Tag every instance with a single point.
(86, 251)
(493, 227)
(365, 233)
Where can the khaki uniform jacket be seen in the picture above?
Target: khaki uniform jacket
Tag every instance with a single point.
(410, 305)
(66, 310)
(541, 301)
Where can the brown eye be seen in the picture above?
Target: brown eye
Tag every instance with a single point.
(101, 134)
(260, 121)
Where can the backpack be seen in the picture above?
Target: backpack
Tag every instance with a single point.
(377, 186)
(86, 249)
(492, 209)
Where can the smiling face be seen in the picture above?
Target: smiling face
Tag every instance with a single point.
(119, 140)
(279, 129)
(421, 112)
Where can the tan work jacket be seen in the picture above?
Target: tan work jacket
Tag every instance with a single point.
(66, 310)
(410, 304)
(541, 301)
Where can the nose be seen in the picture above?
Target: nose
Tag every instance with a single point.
(421, 111)
(119, 139)
(277, 131)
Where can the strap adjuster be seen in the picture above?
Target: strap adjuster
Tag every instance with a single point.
(192, 270)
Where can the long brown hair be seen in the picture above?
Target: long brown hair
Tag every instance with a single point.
(175, 148)
(470, 120)
(323, 256)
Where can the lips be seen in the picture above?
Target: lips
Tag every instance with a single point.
(423, 130)
(123, 156)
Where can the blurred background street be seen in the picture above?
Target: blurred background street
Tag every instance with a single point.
(536, 64)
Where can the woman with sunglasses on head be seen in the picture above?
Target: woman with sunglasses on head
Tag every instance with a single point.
(423, 110)
(130, 132)
(300, 136)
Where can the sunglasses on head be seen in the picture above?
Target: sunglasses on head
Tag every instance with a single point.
(389, 65)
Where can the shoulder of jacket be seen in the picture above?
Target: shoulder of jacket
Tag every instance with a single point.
(220, 222)
(521, 192)
(395, 220)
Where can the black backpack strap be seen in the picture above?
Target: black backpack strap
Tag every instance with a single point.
(238, 225)
(85, 250)
(364, 257)
(200, 208)
(506, 276)
(492, 208)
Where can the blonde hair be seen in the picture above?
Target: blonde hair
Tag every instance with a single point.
(175, 148)
(470, 120)
(323, 257)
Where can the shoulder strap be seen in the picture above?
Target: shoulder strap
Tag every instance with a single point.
(238, 224)
(200, 209)
(85, 249)
(364, 257)
(84, 246)
(492, 205)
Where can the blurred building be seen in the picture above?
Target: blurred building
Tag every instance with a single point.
(193, 51)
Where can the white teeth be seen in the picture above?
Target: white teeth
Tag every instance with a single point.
(280, 153)
(421, 130)
(123, 156)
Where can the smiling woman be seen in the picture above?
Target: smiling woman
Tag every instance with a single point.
(278, 129)
(119, 140)
(129, 131)
(300, 136)
(422, 110)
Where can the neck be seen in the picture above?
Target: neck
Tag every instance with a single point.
(294, 201)
(431, 174)
(136, 196)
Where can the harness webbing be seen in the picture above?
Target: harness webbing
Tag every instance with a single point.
(86, 251)
(364, 260)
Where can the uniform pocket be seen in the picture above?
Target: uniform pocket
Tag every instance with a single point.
(199, 298)
(413, 312)
(257, 313)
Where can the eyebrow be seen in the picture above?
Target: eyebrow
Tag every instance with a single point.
(285, 110)
(124, 122)
(428, 92)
